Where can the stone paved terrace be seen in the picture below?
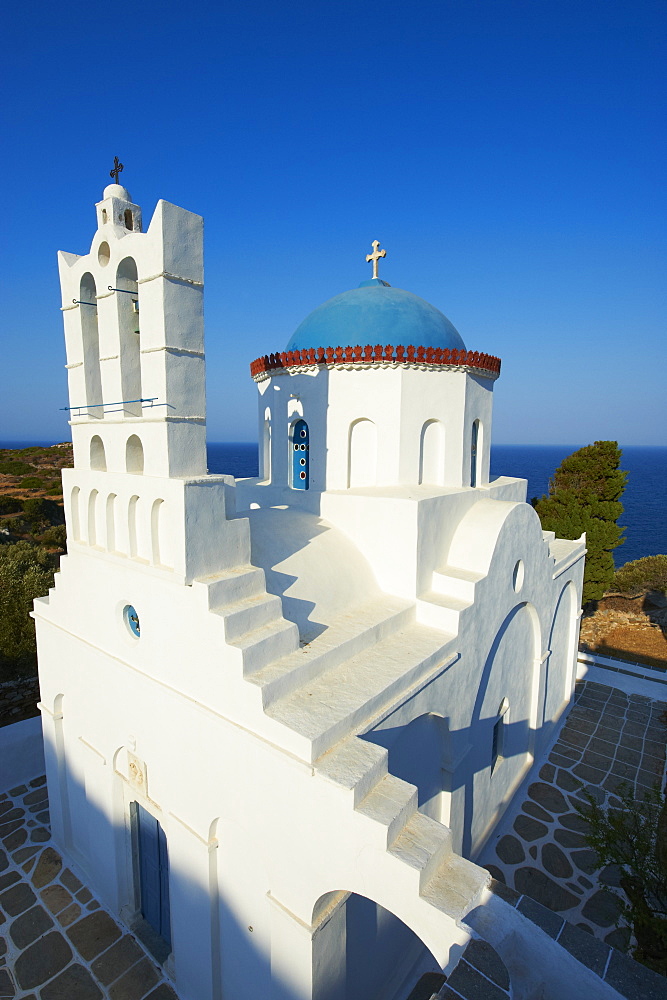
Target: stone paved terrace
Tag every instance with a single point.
(56, 941)
(609, 737)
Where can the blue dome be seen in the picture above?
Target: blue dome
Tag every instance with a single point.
(376, 313)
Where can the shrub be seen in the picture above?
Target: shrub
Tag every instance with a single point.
(26, 572)
(634, 838)
(38, 510)
(10, 505)
(10, 467)
(31, 483)
(640, 575)
(55, 536)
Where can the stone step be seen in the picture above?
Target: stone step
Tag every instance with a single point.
(354, 764)
(455, 886)
(348, 636)
(438, 611)
(391, 803)
(249, 614)
(259, 647)
(423, 844)
(334, 704)
(457, 583)
(234, 585)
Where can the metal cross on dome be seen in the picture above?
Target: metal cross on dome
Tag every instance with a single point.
(375, 256)
(117, 167)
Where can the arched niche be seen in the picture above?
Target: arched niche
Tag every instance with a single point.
(362, 950)
(432, 453)
(134, 455)
(98, 459)
(75, 515)
(92, 517)
(111, 522)
(561, 663)
(133, 527)
(362, 454)
(511, 671)
(91, 345)
(160, 535)
(127, 302)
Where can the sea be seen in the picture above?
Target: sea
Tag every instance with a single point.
(644, 501)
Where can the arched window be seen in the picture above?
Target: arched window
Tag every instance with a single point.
(475, 453)
(134, 455)
(127, 300)
(97, 456)
(432, 453)
(91, 345)
(498, 738)
(265, 471)
(300, 448)
(129, 219)
(362, 454)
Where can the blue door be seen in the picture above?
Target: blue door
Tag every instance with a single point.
(300, 455)
(473, 453)
(153, 873)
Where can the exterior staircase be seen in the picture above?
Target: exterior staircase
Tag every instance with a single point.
(319, 693)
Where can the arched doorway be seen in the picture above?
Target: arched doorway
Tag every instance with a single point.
(365, 952)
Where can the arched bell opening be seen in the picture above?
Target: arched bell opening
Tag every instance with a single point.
(127, 300)
(300, 451)
(98, 459)
(134, 455)
(91, 346)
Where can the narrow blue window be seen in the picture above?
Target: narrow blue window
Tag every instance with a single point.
(473, 453)
(153, 873)
(300, 455)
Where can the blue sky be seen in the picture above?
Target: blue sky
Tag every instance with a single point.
(509, 154)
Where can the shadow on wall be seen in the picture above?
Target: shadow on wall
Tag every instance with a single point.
(197, 905)
(293, 546)
(466, 777)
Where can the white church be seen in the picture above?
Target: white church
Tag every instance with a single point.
(284, 715)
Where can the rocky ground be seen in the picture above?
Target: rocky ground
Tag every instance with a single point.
(628, 628)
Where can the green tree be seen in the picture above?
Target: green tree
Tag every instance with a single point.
(584, 495)
(634, 838)
(26, 572)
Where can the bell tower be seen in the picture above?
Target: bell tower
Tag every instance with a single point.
(134, 333)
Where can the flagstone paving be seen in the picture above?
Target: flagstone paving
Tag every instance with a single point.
(56, 941)
(610, 738)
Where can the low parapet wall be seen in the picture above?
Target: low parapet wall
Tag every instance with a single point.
(21, 753)
(18, 700)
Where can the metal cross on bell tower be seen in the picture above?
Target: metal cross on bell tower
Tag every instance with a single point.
(375, 256)
(117, 167)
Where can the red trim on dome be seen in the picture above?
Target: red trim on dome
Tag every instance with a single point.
(446, 357)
